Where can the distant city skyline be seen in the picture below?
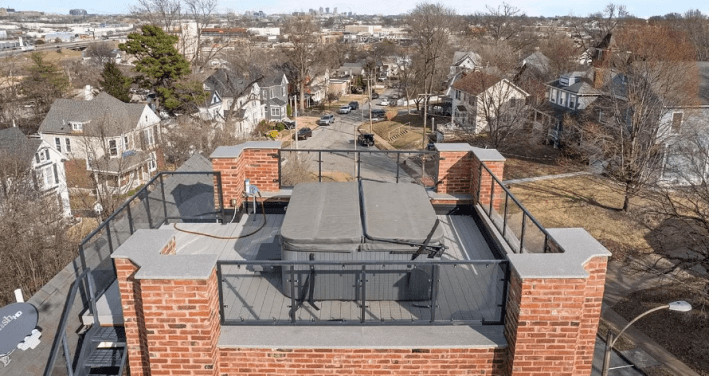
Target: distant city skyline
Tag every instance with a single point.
(547, 8)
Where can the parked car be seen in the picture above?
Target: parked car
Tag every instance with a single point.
(378, 114)
(375, 95)
(366, 139)
(354, 105)
(289, 124)
(327, 119)
(344, 110)
(385, 102)
(304, 133)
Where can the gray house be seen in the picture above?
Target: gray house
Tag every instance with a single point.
(274, 96)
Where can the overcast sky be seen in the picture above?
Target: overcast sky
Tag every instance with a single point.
(548, 8)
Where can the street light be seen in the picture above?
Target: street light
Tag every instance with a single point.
(679, 306)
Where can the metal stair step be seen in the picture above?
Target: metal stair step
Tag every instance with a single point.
(115, 334)
(105, 358)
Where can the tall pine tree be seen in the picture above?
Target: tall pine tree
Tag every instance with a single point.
(115, 83)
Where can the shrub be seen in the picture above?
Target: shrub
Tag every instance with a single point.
(280, 127)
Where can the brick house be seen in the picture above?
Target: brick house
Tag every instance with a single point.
(496, 302)
(115, 143)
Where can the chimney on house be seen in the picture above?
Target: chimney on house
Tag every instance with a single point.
(598, 77)
(88, 94)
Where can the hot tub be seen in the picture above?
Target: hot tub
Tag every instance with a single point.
(359, 221)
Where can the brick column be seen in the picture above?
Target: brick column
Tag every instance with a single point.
(170, 306)
(454, 171)
(132, 305)
(554, 306)
(481, 182)
(255, 160)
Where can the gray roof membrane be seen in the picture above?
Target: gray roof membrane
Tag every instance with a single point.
(323, 217)
(398, 211)
(326, 217)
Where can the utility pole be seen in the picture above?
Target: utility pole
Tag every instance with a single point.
(295, 119)
(369, 86)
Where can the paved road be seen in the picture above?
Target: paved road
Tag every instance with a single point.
(341, 136)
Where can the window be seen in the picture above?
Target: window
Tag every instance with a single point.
(148, 137)
(561, 98)
(152, 164)
(112, 148)
(47, 177)
(67, 141)
(572, 102)
(676, 121)
(552, 95)
(283, 91)
(56, 174)
(126, 144)
(77, 127)
(275, 111)
(457, 94)
(58, 143)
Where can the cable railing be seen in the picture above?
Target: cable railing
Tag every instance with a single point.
(322, 165)
(425, 292)
(517, 226)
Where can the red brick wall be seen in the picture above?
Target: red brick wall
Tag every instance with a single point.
(485, 186)
(551, 324)
(131, 302)
(172, 326)
(454, 172)
(260, 166)
(285, 362)
(182, 324)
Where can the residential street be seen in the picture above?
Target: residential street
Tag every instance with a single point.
(341, 135)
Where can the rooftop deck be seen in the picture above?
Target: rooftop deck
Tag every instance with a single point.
(252, 294)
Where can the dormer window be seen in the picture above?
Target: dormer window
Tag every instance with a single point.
(77, 127)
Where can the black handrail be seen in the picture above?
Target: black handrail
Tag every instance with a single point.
(360, 286)
(525, 213)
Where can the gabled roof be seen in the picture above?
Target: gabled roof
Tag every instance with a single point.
(538, 61)
(475, 82)
(273, 79)
(582, 86)
(104, 112)
(227, 83)
(460, 56)
(276, 101)
(14, 143)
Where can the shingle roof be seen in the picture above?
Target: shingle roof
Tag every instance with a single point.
(475, 82)
(277, 101)
(227, 83)
(14, 143)
(104, 112)
(273, 79)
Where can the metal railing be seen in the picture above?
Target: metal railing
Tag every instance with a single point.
(311, 165)
(518, 227)
(148, 208)
(430, 292)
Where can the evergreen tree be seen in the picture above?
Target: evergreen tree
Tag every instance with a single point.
(115, 83)
(159, 63)
(44, 83)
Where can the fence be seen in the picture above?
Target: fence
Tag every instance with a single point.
(310, 165)
(520, 230)
(446, 292)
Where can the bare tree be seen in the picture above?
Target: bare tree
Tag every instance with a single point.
(650, 71)
(202, 12)
(499, 23)
(303, 53)
(598, 25)
(431, 26)
(162, 13)
(100, 53)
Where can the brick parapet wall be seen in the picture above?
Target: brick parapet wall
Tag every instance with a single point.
(260, 166)
(454, 172)
(551, 323)
(172, 325)
(133, 318)
(286, 362)
(482, 181)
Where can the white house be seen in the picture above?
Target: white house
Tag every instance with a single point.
(239, 96)
(45, 163)
(464, 61)
(478, 96)
(116, 142)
